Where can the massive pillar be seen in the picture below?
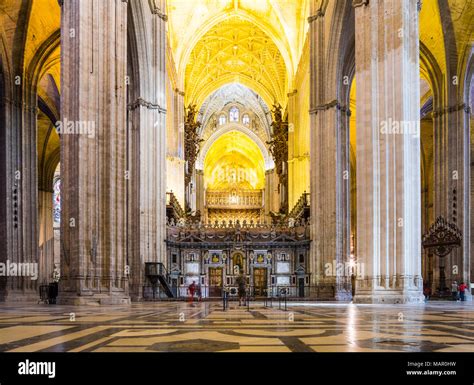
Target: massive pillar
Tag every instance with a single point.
(18, 163)
(451, 140)
(388, 151)
(200, 193)
(175, 162)
(18, 194)
(46, 237)
(147, 123)
(329, 250)
(271, 198)
(93, 160)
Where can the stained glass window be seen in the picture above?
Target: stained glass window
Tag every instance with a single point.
(246, 119)
(234, 114)
(222, 120)
(57, 201)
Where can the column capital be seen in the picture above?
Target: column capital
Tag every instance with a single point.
(155, 9)
(292, 93)
(332, 104)
(151, 106)
(179, 92)
(319, 13)
(359, 3)
(448, 109)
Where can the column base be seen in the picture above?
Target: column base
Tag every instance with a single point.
(390, 297)
(93, 300)
(19, 296)
(329, 293)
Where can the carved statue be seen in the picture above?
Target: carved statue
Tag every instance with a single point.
(192, 141)
(278, 147)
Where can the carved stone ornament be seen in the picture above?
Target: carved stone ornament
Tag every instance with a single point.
(191, 141)
(442, 237)
(278, 147)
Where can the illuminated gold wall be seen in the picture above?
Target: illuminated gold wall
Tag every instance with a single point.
(299, 135)
(174, 133)
(234, 161)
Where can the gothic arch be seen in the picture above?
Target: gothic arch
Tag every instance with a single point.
(431, 71)
(269, 164)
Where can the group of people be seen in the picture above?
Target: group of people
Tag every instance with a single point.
(195, 289)
(458, 291)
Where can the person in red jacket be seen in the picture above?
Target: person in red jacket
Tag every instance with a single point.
(191, 290)
(462, 290)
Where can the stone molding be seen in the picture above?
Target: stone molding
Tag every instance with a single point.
(334, 103)
(448, 109)
(319, 13)
(142, 102)
(155, 10)
(359, 3)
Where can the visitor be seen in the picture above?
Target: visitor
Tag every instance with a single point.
(462, 290)
(240, 281)
(427, 292)
(191, 291)
(199, 292)
(56, 276)
(454, 290)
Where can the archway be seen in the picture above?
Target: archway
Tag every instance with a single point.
(234, 179)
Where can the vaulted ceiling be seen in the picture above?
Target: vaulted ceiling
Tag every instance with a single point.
(27, 29)
(256, 43)
(235, 50)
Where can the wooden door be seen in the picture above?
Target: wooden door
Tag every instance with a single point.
(260, 281)
(215, 281)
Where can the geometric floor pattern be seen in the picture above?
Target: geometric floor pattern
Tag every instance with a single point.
(205, 327)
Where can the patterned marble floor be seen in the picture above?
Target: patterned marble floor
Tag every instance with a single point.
(205, 327)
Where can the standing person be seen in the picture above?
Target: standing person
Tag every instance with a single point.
(454, 290)
(54, 286)
(191, 291)
(199, 292)
(462, 290)
(240, 281)
(427, 292)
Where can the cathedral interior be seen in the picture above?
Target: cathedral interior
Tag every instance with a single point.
(319, 151)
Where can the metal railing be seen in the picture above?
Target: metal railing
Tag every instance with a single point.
(300, 206)
(243, 199)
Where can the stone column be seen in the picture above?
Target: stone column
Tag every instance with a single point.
(175, 146)
(46, 237)
(451, 181)
(292, 167)
(388, 158)
(271, 198)
(15, 194)
(93, 161)
(18, 175)
(329, 251)
(200, 193)
(147, 113)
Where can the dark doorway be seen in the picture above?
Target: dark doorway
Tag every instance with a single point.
(300, 287)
